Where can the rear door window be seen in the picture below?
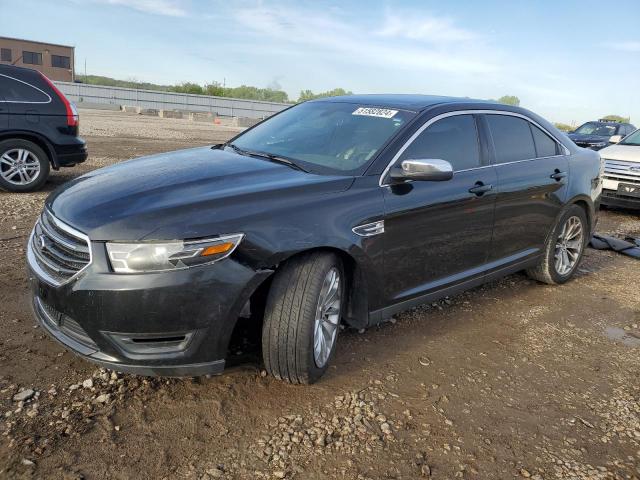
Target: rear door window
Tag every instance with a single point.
(545, 145)
(19, 91)
(512, 138)
(454, 139)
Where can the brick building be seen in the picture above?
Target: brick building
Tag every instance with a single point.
(55, 61)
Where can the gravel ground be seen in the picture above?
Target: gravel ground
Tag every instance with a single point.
(511, 380)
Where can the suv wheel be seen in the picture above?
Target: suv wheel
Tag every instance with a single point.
(24, 166)
(564, 248)
(302, 317)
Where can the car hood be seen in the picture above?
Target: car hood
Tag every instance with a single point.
(629, 153)
(588, 138)
(182, 195)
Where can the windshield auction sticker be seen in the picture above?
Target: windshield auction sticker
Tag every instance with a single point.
(375, 112)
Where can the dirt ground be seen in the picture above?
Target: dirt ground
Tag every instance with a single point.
(511, 380)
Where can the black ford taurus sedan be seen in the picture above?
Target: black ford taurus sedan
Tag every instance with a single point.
(348, 209)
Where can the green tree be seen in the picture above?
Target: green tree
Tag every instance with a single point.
(255, 93)
(564, 127)
(617, 118)
(309, 95)
(306, 95)
(187, 87)
(112, 82)
(276, 95)
(509, 100)
(215, 89)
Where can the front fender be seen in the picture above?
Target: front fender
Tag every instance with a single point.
(327, 225)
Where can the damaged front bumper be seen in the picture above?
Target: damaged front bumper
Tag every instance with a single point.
(175, 323)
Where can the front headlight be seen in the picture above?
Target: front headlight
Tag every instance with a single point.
(162, 256)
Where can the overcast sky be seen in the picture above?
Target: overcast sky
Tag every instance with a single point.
(570, 61)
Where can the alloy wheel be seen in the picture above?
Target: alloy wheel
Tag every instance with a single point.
(569, 245)
(19, 166)
(327, 317)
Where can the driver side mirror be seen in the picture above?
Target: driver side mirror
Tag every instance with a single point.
(615, 138)
(430, 170)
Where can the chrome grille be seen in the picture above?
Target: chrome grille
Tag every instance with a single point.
(58, 250)
(622, 171)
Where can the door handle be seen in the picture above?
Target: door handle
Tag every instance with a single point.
(480, 189)
(557, 175)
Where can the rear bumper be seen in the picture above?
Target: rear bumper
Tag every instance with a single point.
(613, 199)
(70, 154)
(71, 159)
(169, 324)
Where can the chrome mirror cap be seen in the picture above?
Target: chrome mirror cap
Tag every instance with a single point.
(434, 170)
(615, 139)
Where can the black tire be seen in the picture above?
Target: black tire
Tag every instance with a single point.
(7, 146)
(289, 320)
(546, 271)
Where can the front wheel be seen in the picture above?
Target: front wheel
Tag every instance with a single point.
(564, 248)
(302, 317)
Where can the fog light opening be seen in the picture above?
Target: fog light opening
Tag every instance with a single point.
(158, 339)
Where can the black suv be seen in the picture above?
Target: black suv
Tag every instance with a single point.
(38, 129)
(597, 135)
(348, 209)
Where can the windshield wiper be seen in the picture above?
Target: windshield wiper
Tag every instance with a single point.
(279, 159)
(269, 156)
(234, 148)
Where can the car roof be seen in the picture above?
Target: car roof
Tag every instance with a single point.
(403, 101)
(14, 69)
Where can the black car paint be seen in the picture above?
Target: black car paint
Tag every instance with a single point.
(42, 123)
(4, 113)
(590, 141)
(438, 236)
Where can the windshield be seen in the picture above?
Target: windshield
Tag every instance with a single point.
(632, 139)
(595, 128)
(326, 137)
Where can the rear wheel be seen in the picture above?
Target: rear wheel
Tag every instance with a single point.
(24, 166)
(302, 317)
(564, 248)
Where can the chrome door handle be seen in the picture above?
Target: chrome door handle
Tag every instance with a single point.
(558, 175)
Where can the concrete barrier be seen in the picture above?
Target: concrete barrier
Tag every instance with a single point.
(201, 116)
(99, 106)
(130, 108)
(245, 122)
(170, 114)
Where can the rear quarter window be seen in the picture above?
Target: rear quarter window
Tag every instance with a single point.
(545, 145)
(20, 91)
